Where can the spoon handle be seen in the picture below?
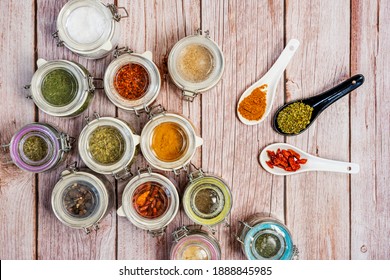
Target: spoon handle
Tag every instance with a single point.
(327, 98)
(275, 72)
(321, 164)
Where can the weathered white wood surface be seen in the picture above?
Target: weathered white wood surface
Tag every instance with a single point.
(331, 216)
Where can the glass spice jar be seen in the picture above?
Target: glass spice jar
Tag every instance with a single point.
(107, 145)
(132, 81)
(81, 199)
(61, 88)
(266, 238)
(207, 199)
(150, 201)
(89, 28)
(195, 64)
(169, 141)
(39, 147)
(194, 243)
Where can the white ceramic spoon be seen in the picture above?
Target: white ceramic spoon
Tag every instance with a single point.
(271, 78)
(313, 163)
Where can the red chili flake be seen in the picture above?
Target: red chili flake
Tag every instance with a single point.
(288, 160)
(131, 81)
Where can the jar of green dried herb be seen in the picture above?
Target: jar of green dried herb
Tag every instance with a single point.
(61, 88)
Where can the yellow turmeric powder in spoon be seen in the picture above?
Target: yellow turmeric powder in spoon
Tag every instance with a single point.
(253, 106)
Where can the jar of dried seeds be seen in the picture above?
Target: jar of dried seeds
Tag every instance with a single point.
(195, 64)
(150, 201)
(39, 147)
(89, 28)
(107, 145)
(81, 199)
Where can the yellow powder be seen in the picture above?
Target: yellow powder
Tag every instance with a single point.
(194, 252)
(253, 106)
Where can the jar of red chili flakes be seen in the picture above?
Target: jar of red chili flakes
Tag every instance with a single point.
(150, 201)
(132, 81)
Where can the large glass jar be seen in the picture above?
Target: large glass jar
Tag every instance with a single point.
(89, 28)
(39, 147)
(207, 199)
(61, 88)
(194, 243)
(150, 201)
(107, 145)
(132, 81)
(195, 64)
(266, 238)
(169, 141)
(81, 199)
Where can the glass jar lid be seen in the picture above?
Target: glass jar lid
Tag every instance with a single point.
(85, 26)
(194, 243)
(58, 87)
(132, 81)
(37, 147)
(150, 201)
(207, 200)
(168, 141)
(80, 199)
(107, 145)
(195, 64)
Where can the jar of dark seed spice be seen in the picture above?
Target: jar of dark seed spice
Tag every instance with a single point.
(81, 199)
(39, 147)
(108, 145)
(266, 238)
(150, 201)
(132, 81)
(195, 64)
(61, 88)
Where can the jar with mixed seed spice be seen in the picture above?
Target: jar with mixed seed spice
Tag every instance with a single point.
(81, 199)
(61, 88)
(39, 147)
(194, 243)
(265, 238)
(108, 145)
(150, 201)
(195, 64)
(168, 141)
(132, 81)
(89, 28)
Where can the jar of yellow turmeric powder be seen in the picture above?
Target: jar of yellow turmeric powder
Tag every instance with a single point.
(168, 141)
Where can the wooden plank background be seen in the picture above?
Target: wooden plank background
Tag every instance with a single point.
(331, 216)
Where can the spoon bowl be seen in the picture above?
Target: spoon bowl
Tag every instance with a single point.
(271, 79)
(322, 101)
(313, 163)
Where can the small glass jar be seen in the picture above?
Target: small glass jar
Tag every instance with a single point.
(81, 199)
(169, 141)
(195, 64)
(150, 201)
(89, 28)
(194, 243)
(61, 88)
(207, 200)
(266, 238)
(107, 145)
(39, 147)
(132, 81)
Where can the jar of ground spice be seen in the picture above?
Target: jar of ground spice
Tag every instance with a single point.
(39, 147)
(107, 145)
(169, 141)
(81, 199)
(195, 64)
(207, 199)
(266, 238)
(132, 81)
(150, 201)
(61, 88)
(194, 243)
(89, 28)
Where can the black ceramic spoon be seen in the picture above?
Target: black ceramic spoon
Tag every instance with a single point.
(322, 101)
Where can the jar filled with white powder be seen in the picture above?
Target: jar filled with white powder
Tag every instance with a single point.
(89, 28)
